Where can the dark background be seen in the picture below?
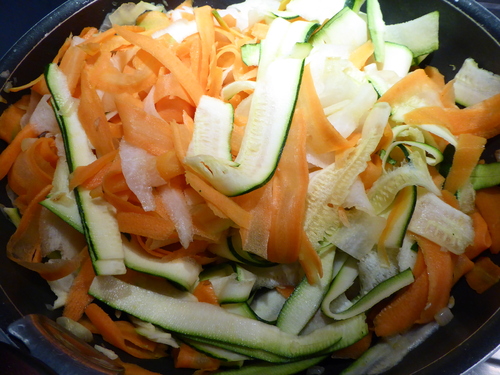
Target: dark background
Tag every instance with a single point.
(18, 16)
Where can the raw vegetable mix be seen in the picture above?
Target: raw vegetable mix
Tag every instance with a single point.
(256, 188)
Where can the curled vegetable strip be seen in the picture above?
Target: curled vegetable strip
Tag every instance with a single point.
(432, 155)
(328, 189)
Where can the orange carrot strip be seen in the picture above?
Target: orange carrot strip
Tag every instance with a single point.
(168, 165)
(419, 266)
(10, 120)
(205, 25)
(167, 58)
(416, 82)
(78, 298)
(462, 265)
(484, 275)
(205, 292)
(187, 357)
(33, 170)
(309, 260)
(173, 108)
(434, 74)
(24, 245)
(285, 290)
(145, 224)
(322, 136)
(9, 155)
(372, 172)
(468, 152)
(104, 76)
(259, 204)
(142, 129)
(439, 267)
(404, 310)
(481, 119)
(225, 204)
(290, 184)
(488, 205)
(130, 334)
(111, 333)
(361, 54)
(93, 118)
(448, 95)
(84, 173)
(355, 350)
(194, 248)
(482, 237)
(71, 65)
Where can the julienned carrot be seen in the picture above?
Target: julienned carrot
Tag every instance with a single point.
(24, 245)
(488, 205)
(355, 350)
(462, 265)
(145, 224)
(290, 184)
(434, 74)
(258, 203)
(481, 119)
(111, 333)
(482, 237)
(32, 170)
(104, 76)
(404, 310)
(93, 117)
(9, 155)
(416, 83)
(484, 275)
(468, 152)
(372, 172)
(196, 247)
(204, 292)
(226, 205)
(322, 136)
(439, 266)
(168, 165)
(206, 29)
(83, 174)
(78, 298)
(10, 119)
(309, 260)
(142, 129)
(168, 59)
(419, 266)
(73, 60)
(360, 55)
(130, 334)
(187, 357)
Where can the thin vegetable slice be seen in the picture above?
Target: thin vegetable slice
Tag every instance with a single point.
(99, 223)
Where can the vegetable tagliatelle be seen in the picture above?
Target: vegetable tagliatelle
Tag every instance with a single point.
(370, 215)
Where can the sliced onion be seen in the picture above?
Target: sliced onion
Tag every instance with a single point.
(75, 328)
(443, 316)
(107, 352)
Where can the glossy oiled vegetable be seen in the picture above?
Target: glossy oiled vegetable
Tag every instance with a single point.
(249, 169)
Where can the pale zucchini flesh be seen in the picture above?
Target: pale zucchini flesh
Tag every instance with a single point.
(97, 217)
(202, 320)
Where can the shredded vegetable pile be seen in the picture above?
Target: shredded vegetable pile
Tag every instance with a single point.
(257, 188)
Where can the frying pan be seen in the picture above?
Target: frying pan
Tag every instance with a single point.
(467, 30)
